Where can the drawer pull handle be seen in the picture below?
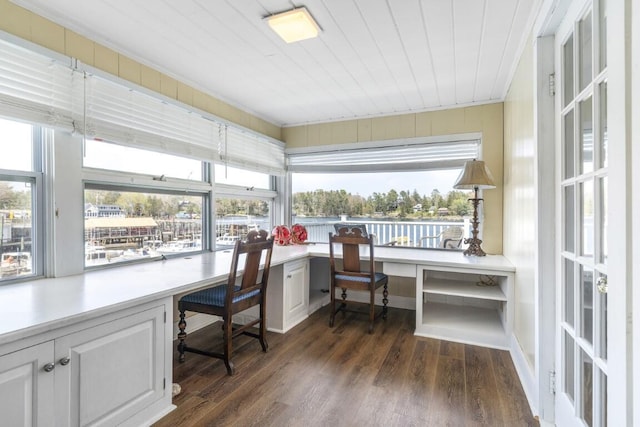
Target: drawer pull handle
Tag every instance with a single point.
(49, 367)
(65, 361)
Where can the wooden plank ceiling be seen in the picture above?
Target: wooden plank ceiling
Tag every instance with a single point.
(372, 58)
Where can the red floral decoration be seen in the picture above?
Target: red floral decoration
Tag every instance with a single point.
(281, 235)
(298, 234)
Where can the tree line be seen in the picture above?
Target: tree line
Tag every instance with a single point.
(166, 206)
(400, 204)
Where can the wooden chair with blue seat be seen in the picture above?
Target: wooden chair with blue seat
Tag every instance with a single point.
(355, 275)
(230, 298)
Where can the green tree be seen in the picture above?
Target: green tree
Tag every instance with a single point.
(8, 197)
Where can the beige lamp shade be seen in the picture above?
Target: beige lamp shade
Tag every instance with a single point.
(475, 175)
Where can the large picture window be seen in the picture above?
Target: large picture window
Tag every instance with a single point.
(401, 191)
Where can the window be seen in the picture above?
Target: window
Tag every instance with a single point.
(228, 175)
(125, 226)
(244, 202)
(104, 155)
(402, 191)
(141, 204)
(20, 182)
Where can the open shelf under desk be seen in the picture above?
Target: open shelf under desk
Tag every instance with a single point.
(318, 299)
(463, 323)
(466, 289)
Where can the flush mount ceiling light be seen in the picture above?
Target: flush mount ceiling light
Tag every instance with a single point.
(294, 25)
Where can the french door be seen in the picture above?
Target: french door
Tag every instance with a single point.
(582, 188)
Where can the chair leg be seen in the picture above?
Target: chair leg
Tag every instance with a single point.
(263, 328)
(332, 304)
(372, 308)
(227, 338)
(343, 304)
(182, 335)
(385, 301)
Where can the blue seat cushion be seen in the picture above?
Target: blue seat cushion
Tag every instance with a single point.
(215, 296)
(378, 277)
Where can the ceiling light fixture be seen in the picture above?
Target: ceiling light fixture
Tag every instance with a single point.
(294, 25)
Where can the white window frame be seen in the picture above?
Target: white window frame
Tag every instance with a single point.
(37, 177)
(334, 156)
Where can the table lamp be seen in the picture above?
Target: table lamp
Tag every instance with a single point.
(476, 176)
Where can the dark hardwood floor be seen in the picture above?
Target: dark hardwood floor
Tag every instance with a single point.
(317, 376)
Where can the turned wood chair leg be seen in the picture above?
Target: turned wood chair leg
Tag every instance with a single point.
(182, 335)
(343, 304)
(385, 301)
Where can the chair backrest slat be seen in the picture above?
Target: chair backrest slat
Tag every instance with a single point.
(351, 241)
(253, 248)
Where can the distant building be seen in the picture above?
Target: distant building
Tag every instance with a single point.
(417, 208)
(103, 211)
(443, 211)
(120, 231)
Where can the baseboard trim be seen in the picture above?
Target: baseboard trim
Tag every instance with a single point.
(527, 377)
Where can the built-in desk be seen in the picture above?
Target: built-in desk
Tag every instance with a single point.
(96, 348)
(451, 301)
(68, 345)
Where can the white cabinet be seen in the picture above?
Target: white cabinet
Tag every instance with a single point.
(288, 295)
(296, 292)
(469, 305)
(26, 390)
(114, 370)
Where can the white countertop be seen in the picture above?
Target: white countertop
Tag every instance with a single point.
(442, 258)
(32, 307)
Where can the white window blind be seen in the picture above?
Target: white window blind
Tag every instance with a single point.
(35, 88)
(125, 116)
(118, 114)
(245, 150)
(397, 155)
(38, 89)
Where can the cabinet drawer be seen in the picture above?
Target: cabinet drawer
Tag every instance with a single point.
(399, 269)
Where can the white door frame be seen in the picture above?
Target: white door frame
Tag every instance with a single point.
(623, 49)
(620, 266)
(545, 271)
(635, 209)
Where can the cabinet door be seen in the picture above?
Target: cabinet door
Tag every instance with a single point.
(26, 389)
(114, 370)
(296, 292)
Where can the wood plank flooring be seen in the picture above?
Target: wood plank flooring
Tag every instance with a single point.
(342, 376)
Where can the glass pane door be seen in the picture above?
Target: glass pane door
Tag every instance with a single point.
(582, 359)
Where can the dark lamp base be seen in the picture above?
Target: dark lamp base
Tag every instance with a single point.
(474, 247)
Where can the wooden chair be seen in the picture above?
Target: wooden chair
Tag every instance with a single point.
(231, 298)
(353, 276)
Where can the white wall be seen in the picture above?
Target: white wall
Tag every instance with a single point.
(519, 198)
